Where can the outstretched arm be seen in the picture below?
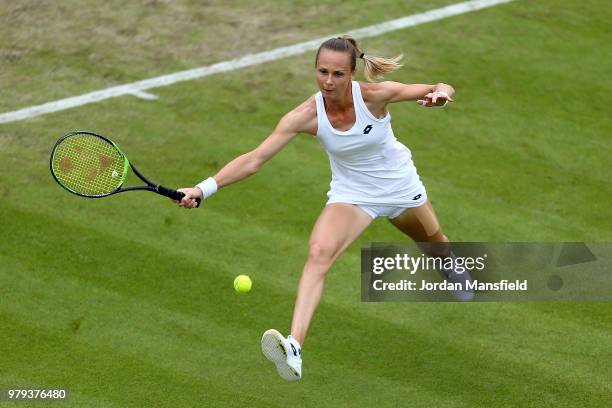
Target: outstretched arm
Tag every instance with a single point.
(426, 95)
(249, 163)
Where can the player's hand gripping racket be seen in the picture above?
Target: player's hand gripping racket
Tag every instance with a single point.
(91, 165)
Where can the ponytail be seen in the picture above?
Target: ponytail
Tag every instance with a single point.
(375, 67)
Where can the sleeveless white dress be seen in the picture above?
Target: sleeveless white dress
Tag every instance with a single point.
(369, 165)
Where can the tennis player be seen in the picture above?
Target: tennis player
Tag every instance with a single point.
(373, 174)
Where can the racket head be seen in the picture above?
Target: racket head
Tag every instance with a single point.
(89, 165)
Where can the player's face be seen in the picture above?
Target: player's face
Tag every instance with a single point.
(334, 72)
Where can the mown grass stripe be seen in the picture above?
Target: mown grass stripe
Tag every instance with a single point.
(135, 88)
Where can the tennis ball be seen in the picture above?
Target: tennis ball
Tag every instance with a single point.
(242, 284)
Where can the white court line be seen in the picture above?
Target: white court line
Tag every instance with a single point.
(144, 95)
(137, 88)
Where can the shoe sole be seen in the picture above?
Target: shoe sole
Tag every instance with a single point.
(274, 350)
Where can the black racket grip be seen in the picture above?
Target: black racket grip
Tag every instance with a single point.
(173, 194)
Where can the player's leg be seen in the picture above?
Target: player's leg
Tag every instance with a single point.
(336, 228)
(422, 225)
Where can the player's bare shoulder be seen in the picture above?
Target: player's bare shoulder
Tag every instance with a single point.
(376, 97)
(303, 118)
(376, 92)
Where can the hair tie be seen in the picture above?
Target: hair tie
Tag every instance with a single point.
(361, 56)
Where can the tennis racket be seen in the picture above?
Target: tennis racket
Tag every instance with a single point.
(90, 165)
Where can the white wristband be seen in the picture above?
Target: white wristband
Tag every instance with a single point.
(208, 187)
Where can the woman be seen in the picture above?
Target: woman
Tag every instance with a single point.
(372, 173)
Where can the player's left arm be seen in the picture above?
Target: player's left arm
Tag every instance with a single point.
(426, 95)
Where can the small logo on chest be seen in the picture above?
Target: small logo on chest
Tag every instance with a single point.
(367, 129)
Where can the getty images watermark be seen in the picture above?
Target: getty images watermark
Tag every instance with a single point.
(486, 272)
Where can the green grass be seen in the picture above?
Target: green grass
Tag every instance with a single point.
(128, 301)
(53, 50)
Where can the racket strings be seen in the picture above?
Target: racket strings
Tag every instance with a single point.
(88, 165)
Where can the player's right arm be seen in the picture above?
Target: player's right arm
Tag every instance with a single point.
(299, 120)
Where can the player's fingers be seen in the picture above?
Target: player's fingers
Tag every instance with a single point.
(190, 203)
(184, 202)
(188, 193)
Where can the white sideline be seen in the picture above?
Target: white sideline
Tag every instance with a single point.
(144, 95)
(138, 88)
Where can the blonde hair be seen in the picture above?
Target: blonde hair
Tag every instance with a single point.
(375, 67)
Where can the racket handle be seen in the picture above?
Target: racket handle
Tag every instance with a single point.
(173, 194)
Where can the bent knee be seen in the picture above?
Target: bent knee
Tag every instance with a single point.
(321, 253)
(436, 245)
(437, 237)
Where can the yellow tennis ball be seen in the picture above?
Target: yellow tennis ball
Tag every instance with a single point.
(242, 284)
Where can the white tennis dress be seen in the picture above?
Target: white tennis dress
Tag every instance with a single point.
(370, 167)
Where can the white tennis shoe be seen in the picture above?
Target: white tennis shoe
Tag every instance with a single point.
(285, 353)
(464, 294)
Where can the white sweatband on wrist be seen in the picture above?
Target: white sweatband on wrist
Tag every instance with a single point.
(208, 187)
